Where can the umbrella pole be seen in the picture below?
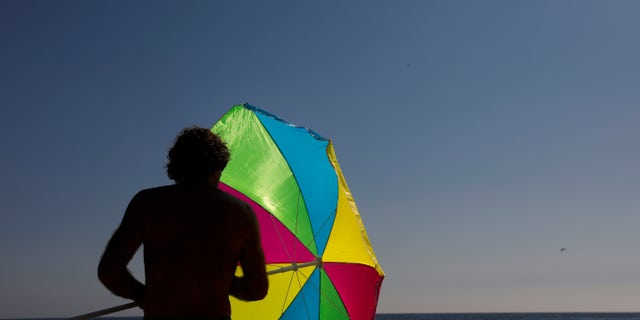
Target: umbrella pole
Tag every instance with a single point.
(293, 267)
(103, 312)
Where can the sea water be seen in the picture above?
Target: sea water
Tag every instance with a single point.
(510, 316)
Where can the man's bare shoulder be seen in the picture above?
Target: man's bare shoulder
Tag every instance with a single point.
(153, 193)
(168, 192)
(235, 202)
(159, 189)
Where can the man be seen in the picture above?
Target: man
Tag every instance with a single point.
(194, 236)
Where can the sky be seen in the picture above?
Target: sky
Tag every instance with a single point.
(477, 137)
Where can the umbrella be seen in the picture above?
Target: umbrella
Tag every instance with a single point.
(320, 262)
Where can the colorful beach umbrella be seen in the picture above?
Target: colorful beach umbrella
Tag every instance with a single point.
(320, 262)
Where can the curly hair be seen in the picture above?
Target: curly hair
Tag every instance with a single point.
(197, 153)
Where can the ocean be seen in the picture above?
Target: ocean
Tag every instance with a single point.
(510, 316)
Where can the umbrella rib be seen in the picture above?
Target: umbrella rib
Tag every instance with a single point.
(304, 300)
(275, 227)
(324, 224)
(312, 240)
(329, 299)
(297, 215)
(284, 302)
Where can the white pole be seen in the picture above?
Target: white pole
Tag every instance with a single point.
(103, 312)
(294, 266)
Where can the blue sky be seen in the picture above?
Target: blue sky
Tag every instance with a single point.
(478, 137)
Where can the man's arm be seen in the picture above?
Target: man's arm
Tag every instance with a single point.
(254, 284)
(112, 270)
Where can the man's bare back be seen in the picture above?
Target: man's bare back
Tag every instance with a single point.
(194, 236)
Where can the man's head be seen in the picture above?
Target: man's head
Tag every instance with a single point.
(196, 154)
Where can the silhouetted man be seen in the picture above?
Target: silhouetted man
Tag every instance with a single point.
(194, 236)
